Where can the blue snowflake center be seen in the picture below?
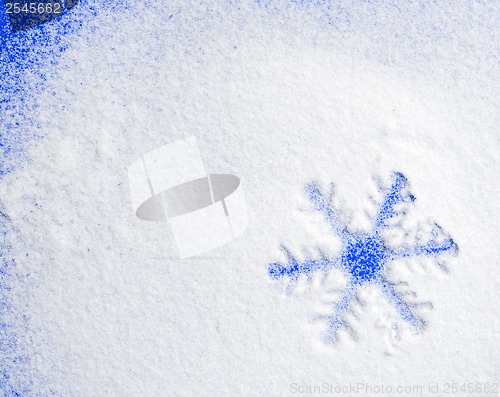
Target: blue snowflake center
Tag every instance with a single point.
(364, 258)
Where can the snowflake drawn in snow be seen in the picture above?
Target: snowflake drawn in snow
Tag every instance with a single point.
(363, 256)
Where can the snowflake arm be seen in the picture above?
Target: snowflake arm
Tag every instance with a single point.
(393, 197)
(403, 308)
(432, 248)
(293, 268)
(322, 204)
(336, 320)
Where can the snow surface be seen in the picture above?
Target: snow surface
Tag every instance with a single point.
(279, 94)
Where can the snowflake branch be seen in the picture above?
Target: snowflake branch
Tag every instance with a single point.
(391, 199)
(323, 205)
(404, 309)
(432, 248)
(336, 320)
(293, 269)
